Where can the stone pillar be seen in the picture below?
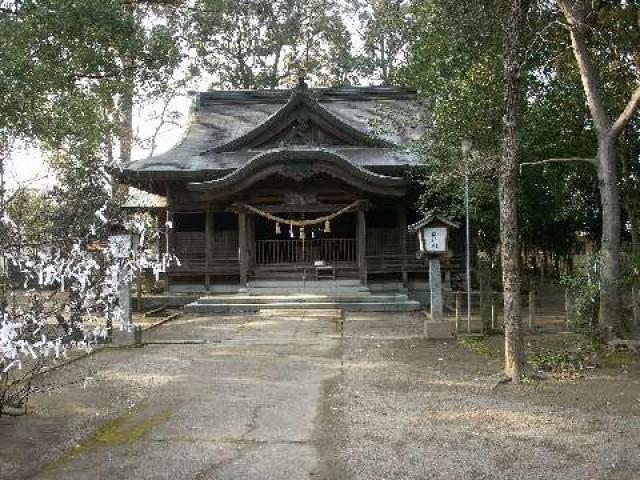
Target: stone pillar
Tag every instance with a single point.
(242, 248)
(437, 326)
(362, 247)
(435, 285)
(402, 223)
(124, 296)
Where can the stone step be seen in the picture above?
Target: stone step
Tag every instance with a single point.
(395, 287)
(304, 284)
(226, 308)
(308, 290)
(330, 313)
(302, 298)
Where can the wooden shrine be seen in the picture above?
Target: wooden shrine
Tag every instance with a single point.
(270, 184)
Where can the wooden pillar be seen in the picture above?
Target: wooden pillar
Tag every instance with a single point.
(362, 247)
(251, 242)
(242, 248)
(402, 221)
(170, 228)
(170, 231)
(208, 245)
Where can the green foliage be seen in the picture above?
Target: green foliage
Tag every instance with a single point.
(387, 26)
(82, 188)
(563, 363)
(260, 43)
(63, 66)
(31, 210)
(585, 285)
(557, 201)
(480, 346)
(630, 274)
(456, 63)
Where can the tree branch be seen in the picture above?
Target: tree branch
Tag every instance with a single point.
(591, 161)
(574, 14)
(627, 114)
(8, 11)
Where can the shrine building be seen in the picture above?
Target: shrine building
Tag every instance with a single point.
(290, 185)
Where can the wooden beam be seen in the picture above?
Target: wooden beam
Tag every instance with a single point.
(208, 243)
(362, 246)
(242, 248)
(402, 224)
(171, 241)
(251, 241)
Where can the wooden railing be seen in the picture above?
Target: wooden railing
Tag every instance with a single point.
(330, 250)
(190, 249)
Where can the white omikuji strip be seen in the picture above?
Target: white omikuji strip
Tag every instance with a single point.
(74, 269)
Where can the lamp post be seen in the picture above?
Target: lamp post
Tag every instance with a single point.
(466, 150)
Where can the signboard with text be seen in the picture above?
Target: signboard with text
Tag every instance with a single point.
(435, 239)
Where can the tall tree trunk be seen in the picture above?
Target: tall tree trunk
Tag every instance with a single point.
(508, 192)
(126, 104)
(4, 230)
(609, 315)
(607, 133)
(635, 286)
(126, 123)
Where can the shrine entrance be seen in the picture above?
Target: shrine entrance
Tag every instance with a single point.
(281, 250)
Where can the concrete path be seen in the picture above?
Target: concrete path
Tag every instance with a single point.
(242, 406)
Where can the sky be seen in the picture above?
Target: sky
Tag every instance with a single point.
(27, 165)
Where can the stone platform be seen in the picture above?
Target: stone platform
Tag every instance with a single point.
(347, 295)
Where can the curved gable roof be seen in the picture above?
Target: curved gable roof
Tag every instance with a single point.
(301, 105)
(300, 163)
(243, 120)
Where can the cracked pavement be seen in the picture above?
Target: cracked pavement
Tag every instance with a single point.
(299, 396)
(242, 407)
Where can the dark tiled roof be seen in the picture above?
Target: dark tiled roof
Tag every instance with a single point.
(223, 116)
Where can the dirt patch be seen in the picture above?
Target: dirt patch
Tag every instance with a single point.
(411, 408)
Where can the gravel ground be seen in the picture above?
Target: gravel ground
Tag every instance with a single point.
(286, 396)
(410, 408)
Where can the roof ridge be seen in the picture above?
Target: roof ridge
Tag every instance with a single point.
(322, 94)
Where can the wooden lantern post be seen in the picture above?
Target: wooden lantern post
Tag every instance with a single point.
(433, 235)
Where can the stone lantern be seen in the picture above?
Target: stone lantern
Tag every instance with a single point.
(433, 235)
